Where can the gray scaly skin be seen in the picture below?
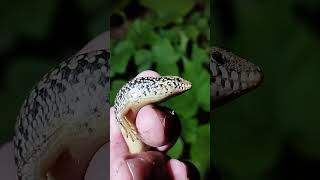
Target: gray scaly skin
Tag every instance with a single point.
(66, 112)
(138, 93)
(231, 77)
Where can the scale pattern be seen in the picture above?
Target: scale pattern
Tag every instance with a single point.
(231, 77)
(142, 91)
(73, 94)
(143, 88)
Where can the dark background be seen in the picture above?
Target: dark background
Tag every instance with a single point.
(35, 36)
(273, 132)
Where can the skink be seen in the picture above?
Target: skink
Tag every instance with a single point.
(138, 93)
(66, 113)
(231, 76)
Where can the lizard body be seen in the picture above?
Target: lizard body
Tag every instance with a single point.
(138, 93)
(67, 111)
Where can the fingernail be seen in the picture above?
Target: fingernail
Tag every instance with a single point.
(135, 165)
(147, 165)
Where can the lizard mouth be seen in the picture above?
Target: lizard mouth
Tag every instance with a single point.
(187, 85)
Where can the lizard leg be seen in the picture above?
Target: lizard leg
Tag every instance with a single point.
(133, 140)
(130, 129)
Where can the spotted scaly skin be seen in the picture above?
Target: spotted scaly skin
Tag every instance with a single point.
(66, 112)
(138, 93)
(231, 77)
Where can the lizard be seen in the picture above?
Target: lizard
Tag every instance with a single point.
(231, 76)
(66, 112)
(138, 93)
(65, 116)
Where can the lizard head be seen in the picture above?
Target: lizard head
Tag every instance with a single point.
(232, 76)
(155, 89)
(174, 84)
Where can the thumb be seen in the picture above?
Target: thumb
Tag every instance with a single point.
(147, 165)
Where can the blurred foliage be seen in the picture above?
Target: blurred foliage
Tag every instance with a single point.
(172, 40)
(273, 132)
(35, 35)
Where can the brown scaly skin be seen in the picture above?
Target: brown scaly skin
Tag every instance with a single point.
(231, 77)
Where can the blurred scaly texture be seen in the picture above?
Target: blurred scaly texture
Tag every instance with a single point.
(273, 132)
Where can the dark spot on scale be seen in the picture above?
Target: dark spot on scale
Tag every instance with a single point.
(223, 83)
(16, 159)
(218, 57)
(175, 84)
(218, 93)
(231, 84)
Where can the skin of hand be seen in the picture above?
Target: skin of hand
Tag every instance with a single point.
(96, 169)
(159, 129)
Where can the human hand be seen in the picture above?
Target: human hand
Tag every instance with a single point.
(159, 128)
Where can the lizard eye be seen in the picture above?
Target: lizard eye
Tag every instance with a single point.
(217, 56)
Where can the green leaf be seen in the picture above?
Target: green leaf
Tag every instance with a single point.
(142, 56)
(176, 151)
(189, 129)
(171, 34)
(143, 59)
(200, 79)
(182, 43)
(172, 12)
(141, 33)
(203, 92)
(115, 87)
(185, 104)
(203, 24)
(120, 56)
(192, 32)
(168, 69)
(199, 54)
(164, 53)
(145, 66)
(202, 144)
